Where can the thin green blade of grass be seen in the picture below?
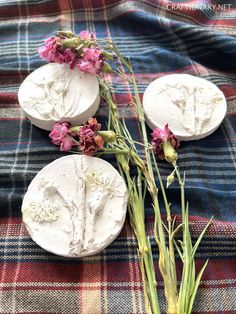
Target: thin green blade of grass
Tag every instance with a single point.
(197, 283)
(196, 245)
(178, 249)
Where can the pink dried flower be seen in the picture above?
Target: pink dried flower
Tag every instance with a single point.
(86, 35)
(99, 141)
(91, 61)
(87, 67)
(88, 56)
(61, 135)
(51, 51)
(90, 142)
(164, 143)
(92, 54)
(70, 57)
(67, 143)
(94, 125)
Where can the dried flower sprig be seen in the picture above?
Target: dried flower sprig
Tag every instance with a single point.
(80, 51)
(62, 135)
(87, 138)
(84, 48)
(164, 143)
(137, 192)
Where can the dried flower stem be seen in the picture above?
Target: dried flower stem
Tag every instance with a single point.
(122, 144)
(167, 258)
(176, 302)
(136, 204)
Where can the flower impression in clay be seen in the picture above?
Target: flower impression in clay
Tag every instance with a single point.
(55, 93)
(75, 206)
(193, 107)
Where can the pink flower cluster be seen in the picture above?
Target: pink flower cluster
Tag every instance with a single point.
(86, 35)
(61, 135)
(91, 60)
(89, 140)
(51, 51)
(159, 136)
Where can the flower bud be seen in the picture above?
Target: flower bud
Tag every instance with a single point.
(108, 136)
(71, 42)
(67, 34)
(170, 179)
(106, 68)
(107, 55)
(169, 152)
(75, 129)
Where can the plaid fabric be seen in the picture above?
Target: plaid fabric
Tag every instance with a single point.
(161, 38)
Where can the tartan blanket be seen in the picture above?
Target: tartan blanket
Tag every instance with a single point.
(160, 37)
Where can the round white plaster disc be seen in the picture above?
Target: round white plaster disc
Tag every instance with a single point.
(55, 93)
(75, 206)
(193, 107)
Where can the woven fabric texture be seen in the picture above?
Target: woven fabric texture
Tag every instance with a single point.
(161, 38)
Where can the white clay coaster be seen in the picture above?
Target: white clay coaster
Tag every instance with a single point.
(75, 206)
(193, 107)
(54, 93)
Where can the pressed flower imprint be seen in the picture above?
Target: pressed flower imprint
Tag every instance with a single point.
(76, 209)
